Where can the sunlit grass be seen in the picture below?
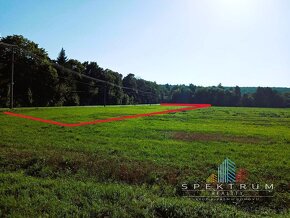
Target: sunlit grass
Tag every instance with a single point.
(146, 153)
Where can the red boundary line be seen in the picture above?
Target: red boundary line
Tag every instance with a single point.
(187, 107)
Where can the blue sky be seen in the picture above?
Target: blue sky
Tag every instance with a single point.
(233, 42)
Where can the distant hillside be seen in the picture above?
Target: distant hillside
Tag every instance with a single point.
(253, 89)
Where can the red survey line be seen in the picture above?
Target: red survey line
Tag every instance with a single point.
(187, 107)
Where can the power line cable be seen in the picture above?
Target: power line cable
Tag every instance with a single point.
(77, 73)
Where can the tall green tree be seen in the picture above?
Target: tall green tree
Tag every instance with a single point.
(35, 78)
(67, 87)
(131, 82)
(62, 58)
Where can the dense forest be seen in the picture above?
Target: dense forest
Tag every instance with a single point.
(41, 81)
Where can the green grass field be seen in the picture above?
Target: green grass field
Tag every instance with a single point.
(134, 168)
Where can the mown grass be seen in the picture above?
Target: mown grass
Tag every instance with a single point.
(142, 160)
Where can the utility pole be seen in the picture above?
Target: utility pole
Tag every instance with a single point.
(105, 93)
(12, 80)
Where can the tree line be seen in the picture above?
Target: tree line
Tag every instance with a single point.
(41, 81)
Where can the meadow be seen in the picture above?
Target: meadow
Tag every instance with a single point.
(134, 168)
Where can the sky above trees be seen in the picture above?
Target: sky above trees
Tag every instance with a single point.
(241, 42)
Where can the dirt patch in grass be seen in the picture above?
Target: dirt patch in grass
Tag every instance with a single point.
(197, 136)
